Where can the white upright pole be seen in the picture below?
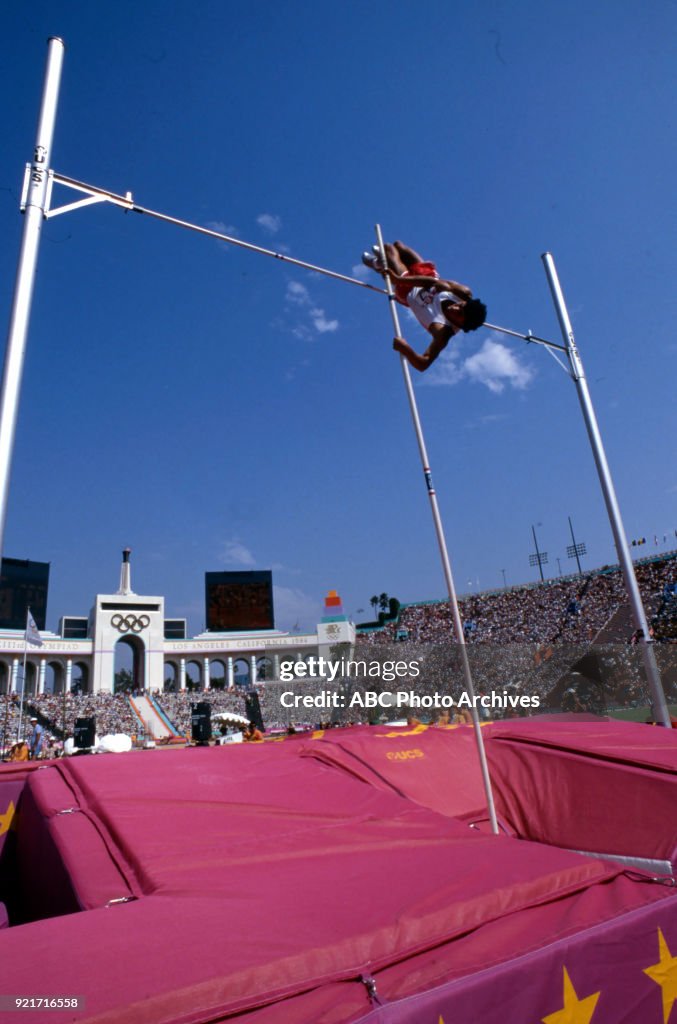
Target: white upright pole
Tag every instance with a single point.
(659, 704)
(444, 554)
(34, 205)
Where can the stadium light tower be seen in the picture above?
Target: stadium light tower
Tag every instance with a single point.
(574, 549)
(540, 558)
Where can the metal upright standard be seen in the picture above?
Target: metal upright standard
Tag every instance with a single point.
(446, 565)
(658, 701)
(34, 201)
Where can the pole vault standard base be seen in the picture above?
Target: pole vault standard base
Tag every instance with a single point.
(36, 206)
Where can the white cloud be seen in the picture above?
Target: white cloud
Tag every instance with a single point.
(270, 222)
(295, 609)
(446, 371)
(223, 229)
(320, 322)
(235, 553)
(297, 294)
(494, 365)
(361, 272)
(483, 421)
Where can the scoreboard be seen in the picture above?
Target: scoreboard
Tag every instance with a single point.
(239, 601)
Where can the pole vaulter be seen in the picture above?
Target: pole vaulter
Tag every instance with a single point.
(35, 205)
(444, 554)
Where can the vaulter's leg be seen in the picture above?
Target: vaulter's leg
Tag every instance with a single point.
(405, 255)
(395, 262)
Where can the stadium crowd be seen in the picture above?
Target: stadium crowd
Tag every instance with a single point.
(568, 642)
(570, 610)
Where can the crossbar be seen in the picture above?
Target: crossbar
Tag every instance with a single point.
(128, 204)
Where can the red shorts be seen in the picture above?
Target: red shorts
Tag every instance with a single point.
(425, 269)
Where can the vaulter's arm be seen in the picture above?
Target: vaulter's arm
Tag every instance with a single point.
(461, 290)
(441, 336)
(438, 284)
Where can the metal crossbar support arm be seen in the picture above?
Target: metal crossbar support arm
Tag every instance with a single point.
(525, 337)
(530, 338)
(34, 204)
(446, 565)
(658, 701)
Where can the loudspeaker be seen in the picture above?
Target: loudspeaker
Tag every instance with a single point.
(84, 734)
(253, 707)
(201, 722)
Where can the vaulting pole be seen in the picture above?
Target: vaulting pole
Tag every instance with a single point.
(33, 202)
(444, 554)
(658, 702)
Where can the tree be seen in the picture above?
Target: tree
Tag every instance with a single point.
(123, 682)
(373, 601)
(383, 602)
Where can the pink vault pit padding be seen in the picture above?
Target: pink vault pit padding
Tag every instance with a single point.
(606, 787)
(436, 767)
(270, 884)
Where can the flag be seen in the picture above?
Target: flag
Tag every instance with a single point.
(32, 631)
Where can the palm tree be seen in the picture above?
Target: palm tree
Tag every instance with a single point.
(383, 602)
(373, 601)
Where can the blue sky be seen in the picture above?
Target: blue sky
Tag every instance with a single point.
(212, 408)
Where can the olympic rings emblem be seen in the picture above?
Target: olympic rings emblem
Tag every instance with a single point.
(129, 623)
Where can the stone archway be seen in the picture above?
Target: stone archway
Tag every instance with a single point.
(264, 669)
(55, 677)
(171, 677)
(241, 672)
(30, 682)
(129, 666)
(194, 675)
(217, 674)
(80, 680)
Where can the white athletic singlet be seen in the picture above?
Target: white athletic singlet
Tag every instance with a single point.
(426, 305)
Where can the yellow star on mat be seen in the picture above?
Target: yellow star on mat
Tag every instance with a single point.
(664, 973)
(575, 1010)
(7, 818)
